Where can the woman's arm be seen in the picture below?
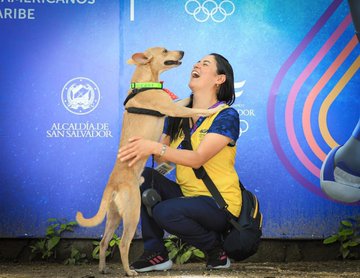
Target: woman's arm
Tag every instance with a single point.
(138, 148)
(164, 140)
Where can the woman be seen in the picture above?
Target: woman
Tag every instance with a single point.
(187, 209)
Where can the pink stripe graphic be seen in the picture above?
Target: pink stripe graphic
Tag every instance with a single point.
(289, 110)
(274, 91)
(315, 91)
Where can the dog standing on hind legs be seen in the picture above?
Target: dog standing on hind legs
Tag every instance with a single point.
(145, 108)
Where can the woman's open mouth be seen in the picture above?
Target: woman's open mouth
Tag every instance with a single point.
(195, 74)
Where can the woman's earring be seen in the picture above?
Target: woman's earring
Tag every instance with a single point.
(217, 88)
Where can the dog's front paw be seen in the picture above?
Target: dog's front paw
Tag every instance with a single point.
(104, 270)
(215, 110)
(131, 272)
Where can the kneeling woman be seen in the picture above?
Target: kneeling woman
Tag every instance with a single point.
(187, 209)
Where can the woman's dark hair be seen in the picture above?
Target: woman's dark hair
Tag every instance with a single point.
(226, 93)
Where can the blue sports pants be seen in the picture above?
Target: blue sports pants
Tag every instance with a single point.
(196, 220)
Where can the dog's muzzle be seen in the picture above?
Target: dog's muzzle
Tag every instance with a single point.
(172, 62)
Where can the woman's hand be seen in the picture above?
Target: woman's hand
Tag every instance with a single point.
(136, 149)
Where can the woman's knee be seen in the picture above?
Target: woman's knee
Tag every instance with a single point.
(164, 214)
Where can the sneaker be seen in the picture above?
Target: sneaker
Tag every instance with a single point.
(151, 260)
(217, 259)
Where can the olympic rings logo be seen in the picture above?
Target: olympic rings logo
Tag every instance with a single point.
(210, 9)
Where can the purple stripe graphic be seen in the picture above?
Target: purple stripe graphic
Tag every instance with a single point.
(274, 91)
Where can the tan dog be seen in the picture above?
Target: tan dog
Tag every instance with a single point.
(121, 198)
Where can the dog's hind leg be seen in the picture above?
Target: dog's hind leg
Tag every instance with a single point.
(131, 216)
(112, 222)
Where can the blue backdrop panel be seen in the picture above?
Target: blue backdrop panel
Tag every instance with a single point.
(51, 166)
(64, 77)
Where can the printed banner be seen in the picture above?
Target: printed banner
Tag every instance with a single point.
(64, 78)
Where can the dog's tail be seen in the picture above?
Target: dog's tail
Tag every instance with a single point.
(99, 216)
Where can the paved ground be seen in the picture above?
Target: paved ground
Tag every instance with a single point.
(193, 270)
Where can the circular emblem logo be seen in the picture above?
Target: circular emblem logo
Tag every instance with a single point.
(80, 95)
(244, 127)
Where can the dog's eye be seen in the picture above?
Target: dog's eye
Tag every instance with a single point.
(165, 50)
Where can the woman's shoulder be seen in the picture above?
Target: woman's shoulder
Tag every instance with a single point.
(227, 123)
(228, 113)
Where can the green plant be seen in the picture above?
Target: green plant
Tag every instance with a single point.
(180, 251)
(114, 242)
(76, 257)
(46, 247)
(348, 236)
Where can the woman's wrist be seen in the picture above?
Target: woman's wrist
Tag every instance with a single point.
(162, 150)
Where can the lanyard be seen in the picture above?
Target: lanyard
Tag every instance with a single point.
(202, 118)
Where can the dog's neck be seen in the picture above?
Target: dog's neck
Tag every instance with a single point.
(144, 73)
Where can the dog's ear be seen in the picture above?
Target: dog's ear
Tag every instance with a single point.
(139, 58)
(130, 62)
